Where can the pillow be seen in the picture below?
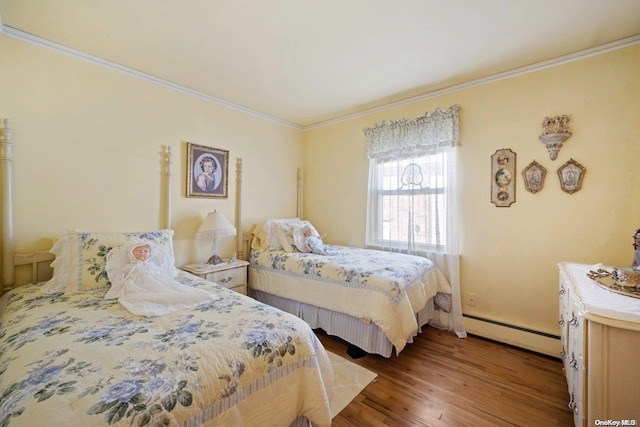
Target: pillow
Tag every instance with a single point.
(259, 240)
(60, 265)
(271, 229)
(88, 255)
(298, 235)
(284, 231)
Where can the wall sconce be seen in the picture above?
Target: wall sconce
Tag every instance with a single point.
(554, 140)
(215, 225)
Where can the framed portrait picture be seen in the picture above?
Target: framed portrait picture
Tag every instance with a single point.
(207, 171)
(571, 175)
(503, 178)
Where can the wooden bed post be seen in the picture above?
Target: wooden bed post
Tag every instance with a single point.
(7, 206)
(299, 194)
(239, 208)
(166, 223)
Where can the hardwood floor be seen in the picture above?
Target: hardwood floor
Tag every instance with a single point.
(442, 380)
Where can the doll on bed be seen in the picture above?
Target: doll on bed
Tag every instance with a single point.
(143, 280)
(313, 242)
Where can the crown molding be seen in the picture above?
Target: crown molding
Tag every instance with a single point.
(47, 44)
(599, 50)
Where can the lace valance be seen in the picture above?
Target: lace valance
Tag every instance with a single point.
(392, 138)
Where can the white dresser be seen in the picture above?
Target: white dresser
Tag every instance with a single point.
(600, 349)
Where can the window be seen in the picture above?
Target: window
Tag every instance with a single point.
(412, 199)
(409, 202)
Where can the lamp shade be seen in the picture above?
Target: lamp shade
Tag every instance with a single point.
(215, 225)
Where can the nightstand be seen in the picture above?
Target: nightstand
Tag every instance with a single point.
(230, 275)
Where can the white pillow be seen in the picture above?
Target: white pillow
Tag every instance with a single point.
(60, 265)
(271, 228)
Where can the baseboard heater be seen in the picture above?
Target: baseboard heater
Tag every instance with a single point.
(540, 342)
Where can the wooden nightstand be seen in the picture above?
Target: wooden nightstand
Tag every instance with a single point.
(230, 275)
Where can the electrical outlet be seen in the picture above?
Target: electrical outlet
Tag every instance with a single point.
(471, 299)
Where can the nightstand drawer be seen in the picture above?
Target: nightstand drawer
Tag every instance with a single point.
(229, 278)
(232, 275)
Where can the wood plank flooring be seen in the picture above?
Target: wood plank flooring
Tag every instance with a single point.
(442, 380)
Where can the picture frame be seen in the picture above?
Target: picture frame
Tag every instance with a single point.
(571, 175)
(533, 176)
(207, 172)
(503, 178)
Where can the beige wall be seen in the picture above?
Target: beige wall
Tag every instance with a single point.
(509, 255)
(88, 144)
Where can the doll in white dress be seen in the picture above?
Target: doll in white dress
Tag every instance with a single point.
(143, 280)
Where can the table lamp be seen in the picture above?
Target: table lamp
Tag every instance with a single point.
(215, 225)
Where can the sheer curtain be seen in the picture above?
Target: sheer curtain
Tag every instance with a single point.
(413, 197)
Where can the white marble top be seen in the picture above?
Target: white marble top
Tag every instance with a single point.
(598, 300)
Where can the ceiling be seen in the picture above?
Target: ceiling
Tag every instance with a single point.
(305, 63)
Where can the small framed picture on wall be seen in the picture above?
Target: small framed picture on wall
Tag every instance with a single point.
(207, 171)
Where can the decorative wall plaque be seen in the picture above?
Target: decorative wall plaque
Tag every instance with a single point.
(571, 175)
(555, 138)
(503, 178)
(533, 176)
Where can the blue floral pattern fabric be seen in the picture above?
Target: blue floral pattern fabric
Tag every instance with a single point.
(84, 360)
(381, 287)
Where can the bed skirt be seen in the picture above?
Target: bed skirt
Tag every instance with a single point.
(366, 336)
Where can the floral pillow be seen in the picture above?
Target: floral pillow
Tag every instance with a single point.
(273, 229)
(284, 232)
(88, 255)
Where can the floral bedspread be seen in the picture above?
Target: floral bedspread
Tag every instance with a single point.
(78, 359)
(375, 286)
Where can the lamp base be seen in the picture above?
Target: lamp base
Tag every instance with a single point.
(214, 260)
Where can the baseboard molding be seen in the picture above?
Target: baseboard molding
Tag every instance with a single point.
(520, 337)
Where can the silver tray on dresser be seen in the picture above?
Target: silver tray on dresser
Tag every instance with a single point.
(620, 281)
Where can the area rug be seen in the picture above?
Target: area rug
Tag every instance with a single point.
(349, 380)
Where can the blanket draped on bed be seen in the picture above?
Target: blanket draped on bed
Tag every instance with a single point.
(82, 360)
(380, 287)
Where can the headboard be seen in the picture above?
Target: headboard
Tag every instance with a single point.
(40, 260)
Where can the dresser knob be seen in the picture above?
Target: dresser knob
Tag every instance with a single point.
(574, 362)
(574, 320)
(572, 403)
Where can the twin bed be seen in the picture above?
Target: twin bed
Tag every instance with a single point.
(69, 355)
(375, 300)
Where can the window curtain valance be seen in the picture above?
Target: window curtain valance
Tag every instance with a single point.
(393, 138)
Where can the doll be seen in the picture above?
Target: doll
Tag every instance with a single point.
(143, 280)
(313, 242)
